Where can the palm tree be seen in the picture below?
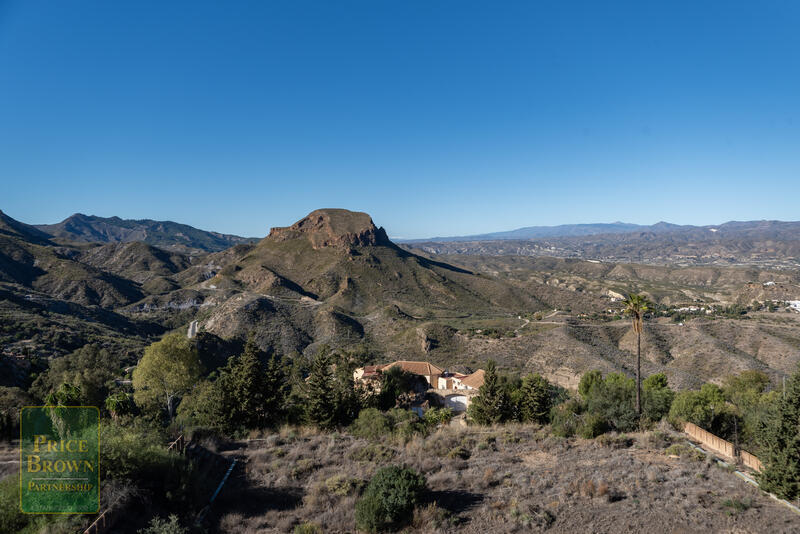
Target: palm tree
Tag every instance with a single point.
(636, 306)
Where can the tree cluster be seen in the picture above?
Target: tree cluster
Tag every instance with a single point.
(501, 399)
(609, 404)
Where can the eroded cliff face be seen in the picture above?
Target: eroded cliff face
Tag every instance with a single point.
(334, 228)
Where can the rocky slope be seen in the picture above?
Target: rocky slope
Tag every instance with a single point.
(334, 277)
(334, 227)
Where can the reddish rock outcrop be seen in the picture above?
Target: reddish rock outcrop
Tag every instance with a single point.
(334, 228)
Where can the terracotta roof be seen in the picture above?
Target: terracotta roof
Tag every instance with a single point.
(475, 380)
(418, 368)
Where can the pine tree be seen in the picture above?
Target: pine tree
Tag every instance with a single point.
(276, 390)
(320, 395)
(492, 403)
(244, 382)
(535, 400)
(781, 457)
(346, 397)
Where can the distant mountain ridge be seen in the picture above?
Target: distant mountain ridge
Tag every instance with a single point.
(164, 234)
(562, 230)
(772, 244)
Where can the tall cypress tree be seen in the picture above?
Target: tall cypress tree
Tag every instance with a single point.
(243, 385)
(492, 403)
(249, 386)
(781, 444)
(320, 392)
(346, 398)
(534, 399)
(276, 390)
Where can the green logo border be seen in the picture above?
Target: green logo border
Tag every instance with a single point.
(21, 463)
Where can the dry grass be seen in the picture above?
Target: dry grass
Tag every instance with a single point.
(515, 479)
(9, 458)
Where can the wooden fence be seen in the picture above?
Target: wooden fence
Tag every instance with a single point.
(751, 461)
(179, 445)
(103, 522)
(722, 446)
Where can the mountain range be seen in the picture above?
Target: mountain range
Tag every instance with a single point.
(774, 244)
(581, 230)
(770, 244)
(165, 234)
(538, 232)
(334, 278)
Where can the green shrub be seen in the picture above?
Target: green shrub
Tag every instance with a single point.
(389, 499)
(437, 416)
(459, 452)
(565, 418)
(657, 439)
(613, 399)
(371, 424)
(11, 518)
(308, 528)
(371, 515)
(164, 526)
(615, 441)
(405, 423)
(705, 408)
(684, 451)
(657, 397)
(678, 449)
(736, 506)
(375, 425)
(374, 453)
(591, 426)
(139, 455)
(342, 485)
(303, 467)
(588, 381)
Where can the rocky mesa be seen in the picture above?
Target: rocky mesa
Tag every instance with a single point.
(334, 227)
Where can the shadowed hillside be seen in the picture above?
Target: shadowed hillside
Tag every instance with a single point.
(165, 234)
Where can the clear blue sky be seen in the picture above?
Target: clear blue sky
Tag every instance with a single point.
(436, 117)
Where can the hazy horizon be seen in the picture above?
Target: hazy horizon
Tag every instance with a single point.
(401, 237)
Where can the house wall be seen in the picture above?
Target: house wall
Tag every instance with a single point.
(457, 403)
